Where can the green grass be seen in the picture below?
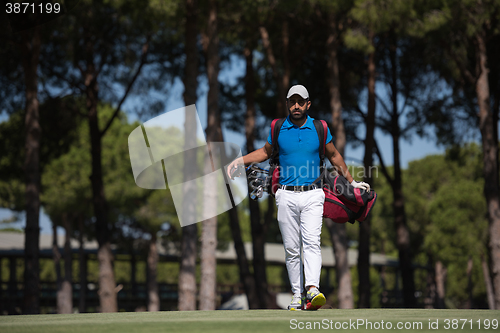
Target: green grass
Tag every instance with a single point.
(255, 321)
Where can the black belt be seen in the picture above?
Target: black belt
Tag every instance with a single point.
(302, 188)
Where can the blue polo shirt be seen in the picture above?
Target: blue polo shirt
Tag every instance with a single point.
(299, 152)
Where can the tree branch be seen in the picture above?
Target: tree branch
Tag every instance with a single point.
(82, 71)
(382, 164)
(269, 51)
(407, 96)
(465, 72)
(145, 49)
(72, 83)
(358, 110)
(386, 108)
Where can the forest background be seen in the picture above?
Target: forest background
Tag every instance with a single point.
(382, 73)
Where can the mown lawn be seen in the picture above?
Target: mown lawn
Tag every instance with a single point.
(257, 321)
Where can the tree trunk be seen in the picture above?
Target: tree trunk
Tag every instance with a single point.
(133, 272)
(245, 276)
(365, 227)
(3, 295)
(268, 219)
(398, 205)
(187, 270)
(12, 287)
(342, 273)
(430, 290)
(187, 273)
(30, 50)
(259, 262)
(66, 299)
(402, 232)
(490, 162)
(338, 233)
(441, 273)
(82, 262)
(208, 284)
(281, 94)
(56, 255)
(487, 282)
(469, 303)
(285, 78)
(152, 273)
(258, 230)
(107, 293)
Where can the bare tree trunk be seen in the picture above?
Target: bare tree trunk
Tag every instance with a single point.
(343, 275)
(82, 262)
(208, 283)
(12, 287)
(490, 162)
(213, 131)
(66, 299)
(365, 227)
(469, 304)
(441, 273)
(338, 233)
(187, 273)
(259, 262)
(56, 255)
(398, 205)
(107, 292)
(430, 290)
(152, 273)
(258, 229)
(285, 78)
(133, 271)
(187, 270)
(245, 276)
(30, 50)
(332, 65)
(3, 295)
(280, 80)
(487, 282)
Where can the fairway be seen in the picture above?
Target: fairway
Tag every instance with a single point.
(257, 321)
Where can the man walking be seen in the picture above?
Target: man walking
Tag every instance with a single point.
(299, 200)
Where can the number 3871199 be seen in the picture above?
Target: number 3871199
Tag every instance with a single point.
(32, 8)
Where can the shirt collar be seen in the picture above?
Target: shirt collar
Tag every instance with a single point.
(308, 124)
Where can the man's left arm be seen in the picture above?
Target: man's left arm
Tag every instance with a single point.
(338, 163)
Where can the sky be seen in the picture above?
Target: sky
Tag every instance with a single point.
(410, 151)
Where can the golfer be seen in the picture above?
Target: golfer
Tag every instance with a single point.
(299, 201)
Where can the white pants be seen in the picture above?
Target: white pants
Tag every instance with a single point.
(300, 216)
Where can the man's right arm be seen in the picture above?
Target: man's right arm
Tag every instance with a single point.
(257, 156)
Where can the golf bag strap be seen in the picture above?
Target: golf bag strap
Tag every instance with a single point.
(275, 132)
(322, 130)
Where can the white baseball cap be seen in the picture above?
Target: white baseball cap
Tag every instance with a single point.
(299, 90)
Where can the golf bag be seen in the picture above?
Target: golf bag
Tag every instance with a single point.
(343, 202)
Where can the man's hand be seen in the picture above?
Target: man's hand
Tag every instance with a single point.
(361, 185)
(231, 168)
